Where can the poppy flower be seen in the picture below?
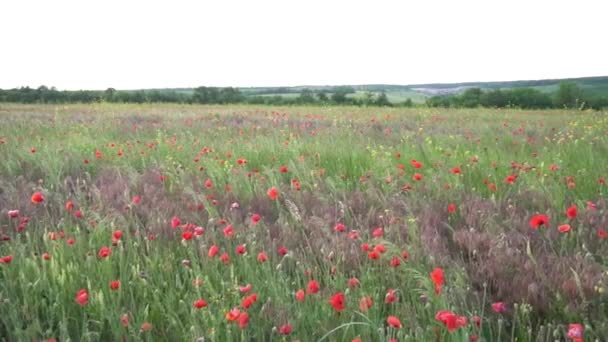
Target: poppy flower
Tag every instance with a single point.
(438, 279)
(283, 169)
(378, 232)
(353, 282)
(575, 332)
(124, 320)
(416, 164)
(539, 220)
(255, 218)
(104, 252)
(499, 307)
(146, 326)
(282, 250)
(285, 329)
(390, 297)
(373, 255)
(262, 257)
(13, 213)
(510, 179)
(300, 295)
(601, 233)
(571, 212)
(46, 256)
(365, 303)
(243, 320)
(199, 304)
(451, 208)
(313, 287)
(450, 320)
(340, 228)
(136, 200)
(240, 249)
(6, 259)
(395, 262)
(208, 184)
(379, 248)
(365, 247)
(273, 193)
(564, 228)
(175, 222)
(249, 300)
(456, 170)
(213, 250)
(233, 314)
(71, 241)
(82, 297)
(117, 234)
(37, 197)
(114, 284)
(417, 177)
(225, 258)
(246, 288)
(337, 301)
(228, 231)
(393, 322)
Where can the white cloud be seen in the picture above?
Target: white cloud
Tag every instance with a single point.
(146, 44)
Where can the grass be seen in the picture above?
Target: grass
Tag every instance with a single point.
(211, 167)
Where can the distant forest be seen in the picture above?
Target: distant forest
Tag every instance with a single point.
(581, 93)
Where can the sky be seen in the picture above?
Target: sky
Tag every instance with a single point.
(128, 44)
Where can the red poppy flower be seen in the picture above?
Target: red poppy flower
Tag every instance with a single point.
(378, 232)
(273, 193)
(255, 218)
(373, 255)
(510, 179)
(416, 164)
(393, 322)
(146, 326)
(199, 304)
(13, 213)
(124, 320)
(228, 231)
(451, 208)
(390, 297)
(499, 307)
(438, 279)
(240, 249)
(313, 287)
(283, 169)
(249, 300)
(450, 319)
(82, 297)
(285, 329)
(213, 250)
(262, 257)
(340, 228)
(71, 241)
(208, 184)
(539, 220)
(282, 250)
(225, 258)
(395, 262)
(115, 284)
(601, 233)
(136, 199)
(417, 177)
(46, 256)
(337, 301)
(37, 197)
(365, 247)
(233, 314)
(300, 295)
(353, 282)
(575, 332)
(69, 206)
(6, 259)
(456, 170)
(175, 222)
(564, 228)
(379, 248)
(187, 235)
(243, 320)
(104, 252)
(117, 234)
(571, 212)
(246, 288)
(365, 303)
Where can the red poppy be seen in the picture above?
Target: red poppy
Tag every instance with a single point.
(199, 304)
(379, 248)
(213, 250)
(451, 208)
(499, 307)
(13, 213)
(282, 250)
(395, 262)
(71, 241)
(6, 259)
(240, 249)
(450, 319)
(564, 228)
(378, 232)
(393, 322)
(456, 170)
(136, 199)
(146, 326)
(117, 234)
(353, 282)
(255, 218)
(262, 257)
(273, 193)
(390, 297)
(539, 220)
(82, 297)
(575, 332)
(313, 287)
(571, 212)
(365, 303)
(187, 235)
(510, 179)
(283, 169)
(37, 197)
(225, 258)
(373, 255)
(104, 252)
(340, 228)
(246, 288)
(249, 300)
(46, 256)
(337, 301)
(416, 164)
(243, 320)
(438, 279)
(69, 206)
(300, 295)
(285, 329)
(115, 284)
(233, 314)
(417, 177)
(601, 233)
(124, 320)
(365, 247)
(208, 184)
(228, 231)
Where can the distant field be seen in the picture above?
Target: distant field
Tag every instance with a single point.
(258, 223)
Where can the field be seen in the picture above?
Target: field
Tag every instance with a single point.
(229, 223)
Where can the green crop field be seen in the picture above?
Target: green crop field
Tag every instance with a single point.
(242, 223)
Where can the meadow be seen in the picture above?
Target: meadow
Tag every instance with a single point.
(166, 222)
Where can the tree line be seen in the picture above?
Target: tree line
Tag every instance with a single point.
(568, 95)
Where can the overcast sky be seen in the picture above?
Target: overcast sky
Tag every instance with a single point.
(90, 44)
